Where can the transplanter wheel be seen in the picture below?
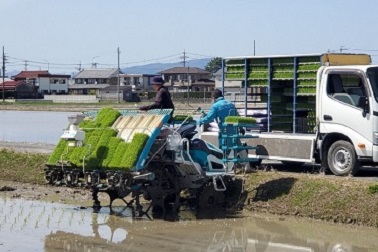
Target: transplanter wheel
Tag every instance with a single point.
(208, 197)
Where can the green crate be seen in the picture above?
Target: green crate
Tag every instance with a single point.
(258, 68)
(257, 83)
(309, 59)
(258, 75)
(309, 67)
(283, 75)
(306, 75)
(307, 82)
(278, 61)
(258, 62)
(234, 62)
(283, 68)
(306, 90)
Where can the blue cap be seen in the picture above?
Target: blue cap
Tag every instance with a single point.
(157, 80)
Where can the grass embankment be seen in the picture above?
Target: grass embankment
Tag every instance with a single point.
(22, 167)
(329, 198)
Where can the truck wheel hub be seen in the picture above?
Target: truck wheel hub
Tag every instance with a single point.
(342, 159)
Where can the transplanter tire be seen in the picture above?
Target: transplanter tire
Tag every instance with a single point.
(342, 159)
(208, 197)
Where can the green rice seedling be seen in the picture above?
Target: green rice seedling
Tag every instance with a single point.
(60, 148)
(234, 62)
(258, 68)
(112, 147)
(180, 118)
(308, 67)
(134, 149)
(307, 75)
(239, 120)
(106, 117)
(87, 124)
(258, 75)
(102, 148)
(259, 61)
(310, 59)
(102, 114)
(116, 161)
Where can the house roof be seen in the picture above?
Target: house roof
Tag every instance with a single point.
(5, 79)
(184, 70)
(29, 74)
(97, 73)
(10, 85)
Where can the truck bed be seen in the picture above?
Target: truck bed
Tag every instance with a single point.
(276, 145)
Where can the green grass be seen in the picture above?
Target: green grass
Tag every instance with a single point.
(372, 189)
(22, 167)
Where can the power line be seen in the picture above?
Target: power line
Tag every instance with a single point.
(15, 61)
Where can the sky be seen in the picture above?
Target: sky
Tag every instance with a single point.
(63, 35)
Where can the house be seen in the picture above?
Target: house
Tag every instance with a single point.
(180, 79)
(44, 82)
(92, 81)
(136, 81)
(17, 89)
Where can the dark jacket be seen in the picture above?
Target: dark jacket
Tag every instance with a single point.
(163, 100)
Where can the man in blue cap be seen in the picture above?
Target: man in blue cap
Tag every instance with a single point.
(163, 98)
(220, 109)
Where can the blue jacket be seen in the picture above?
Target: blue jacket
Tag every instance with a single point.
(220, 109)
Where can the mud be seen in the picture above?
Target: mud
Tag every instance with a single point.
(43, 218)
(29, 225)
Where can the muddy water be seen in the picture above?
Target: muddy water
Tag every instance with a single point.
(39, 226)
(33, 126)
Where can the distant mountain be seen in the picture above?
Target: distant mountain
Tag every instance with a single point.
(155, 68)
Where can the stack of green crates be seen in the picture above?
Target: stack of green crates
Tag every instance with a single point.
(284, 77)
(235, 69)
(258, 73)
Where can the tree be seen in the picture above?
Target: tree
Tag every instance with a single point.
(214, 65)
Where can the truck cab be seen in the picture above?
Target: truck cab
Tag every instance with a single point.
(346, 106)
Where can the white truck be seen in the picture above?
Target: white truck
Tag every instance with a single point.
(318, 108)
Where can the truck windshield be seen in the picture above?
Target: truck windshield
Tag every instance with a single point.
(372, 73)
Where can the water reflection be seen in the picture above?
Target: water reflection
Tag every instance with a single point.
(54, 227)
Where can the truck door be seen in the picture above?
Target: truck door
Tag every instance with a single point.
(342, 110)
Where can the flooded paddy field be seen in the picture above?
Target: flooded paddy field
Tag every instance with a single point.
(33, 225)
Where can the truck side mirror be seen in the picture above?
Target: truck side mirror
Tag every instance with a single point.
(363, 103)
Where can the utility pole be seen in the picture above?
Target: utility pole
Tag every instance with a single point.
(118, 80)
(3, 75)
(184, 58)
(26, 65)
(254, 48)
(79, 68)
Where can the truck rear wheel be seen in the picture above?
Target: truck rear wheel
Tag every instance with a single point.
(342, 159)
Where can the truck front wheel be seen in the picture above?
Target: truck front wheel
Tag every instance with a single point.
(342, 159)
